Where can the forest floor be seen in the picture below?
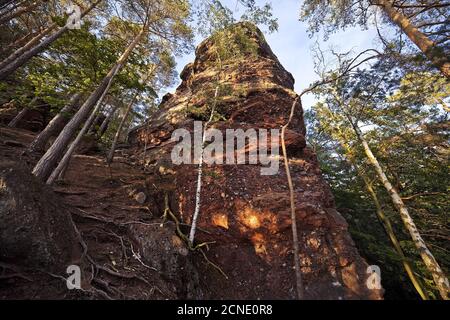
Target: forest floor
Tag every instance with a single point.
(103, 204)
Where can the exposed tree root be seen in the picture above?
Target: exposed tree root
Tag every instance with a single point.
(137, 256)
(86, 215)
(16, 272)
(97, 267)
(168, 213)
(212, 263)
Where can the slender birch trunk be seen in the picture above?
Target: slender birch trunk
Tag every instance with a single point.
(430, 262)
(385, 221)
(54, 126)
(200, 173)
(200, 160)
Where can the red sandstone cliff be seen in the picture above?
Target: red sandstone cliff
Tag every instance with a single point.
(246, 214)
(124, 249)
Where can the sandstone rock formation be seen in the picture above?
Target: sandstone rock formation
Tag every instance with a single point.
(244, 213)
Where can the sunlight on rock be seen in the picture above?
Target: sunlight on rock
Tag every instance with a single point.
(306, 264)
(313, 242)
(259, 244)
(350, 278)
(181, 202)
(220, 220)
(250, 218)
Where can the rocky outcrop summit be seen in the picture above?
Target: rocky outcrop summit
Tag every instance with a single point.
(246, 215)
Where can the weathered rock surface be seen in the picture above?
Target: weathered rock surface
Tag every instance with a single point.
(245, 214)
(35, 228)
(162, 250)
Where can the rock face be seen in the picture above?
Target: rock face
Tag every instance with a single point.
(246, 214)
(163, 250)
(35, 229)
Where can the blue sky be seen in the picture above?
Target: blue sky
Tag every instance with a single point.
(292, 45)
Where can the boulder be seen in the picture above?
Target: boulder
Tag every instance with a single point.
(36, 229)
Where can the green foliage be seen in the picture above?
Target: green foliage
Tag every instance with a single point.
(234, 43)
(207, 95)
(426, 17)
(333, 15)
(400, 112)
(213, 16)
(211, 173)
(79, 59)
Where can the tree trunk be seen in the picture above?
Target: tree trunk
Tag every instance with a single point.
(46, 164)
(386, 223)
(18, 12)
(200, 173)
(435, 54)
(29, 45)
(110, 157)
(63, 164)
(384, 220)
(5, 3)
(96, 120)
(430, 262)
(55, 125)
(105, 123)
(27, 55)
(20, 42)
(8, 66)
(14, 122)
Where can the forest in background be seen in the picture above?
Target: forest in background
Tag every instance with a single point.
(380, 128)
